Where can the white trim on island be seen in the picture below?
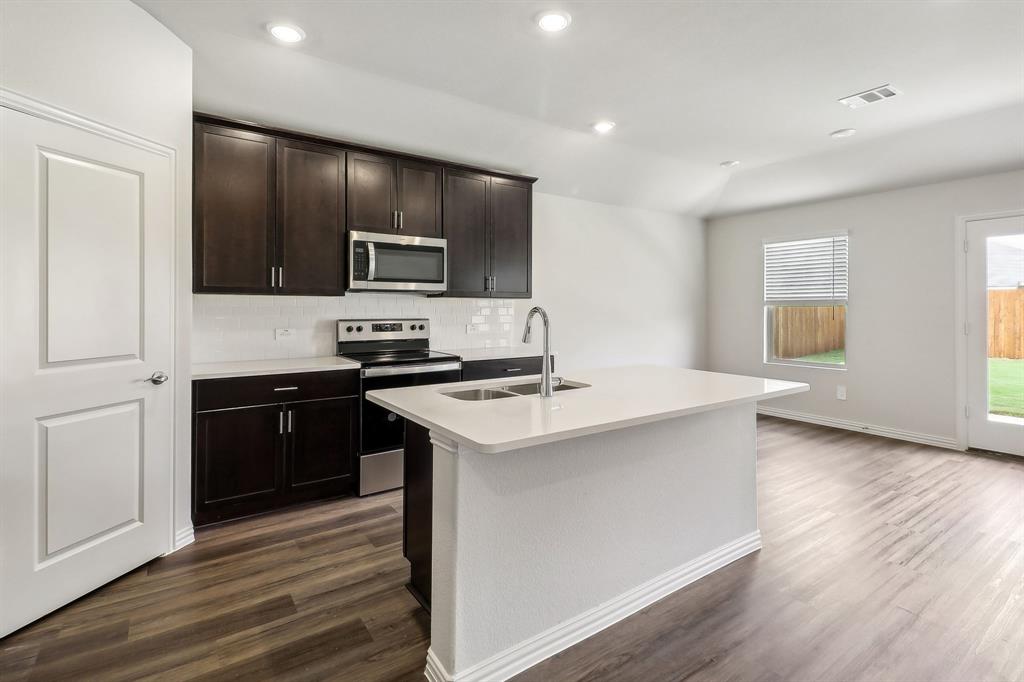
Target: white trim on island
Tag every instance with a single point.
(520, 657)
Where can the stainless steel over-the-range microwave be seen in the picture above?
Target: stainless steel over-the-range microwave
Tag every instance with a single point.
(391, 262)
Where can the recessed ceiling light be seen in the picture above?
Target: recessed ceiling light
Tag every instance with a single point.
(729, 164)
(553, 22)
(286, 33)
(843, 132)
(603, 127)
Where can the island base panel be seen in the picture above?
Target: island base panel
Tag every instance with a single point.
(536, 549)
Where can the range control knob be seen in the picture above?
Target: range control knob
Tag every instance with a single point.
(349, 329)
(359, 328)
(422, 327)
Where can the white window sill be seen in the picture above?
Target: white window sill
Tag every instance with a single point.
(806, 365)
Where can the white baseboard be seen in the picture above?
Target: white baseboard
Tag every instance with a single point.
(898, 434)
(518, 658)
(183, 537)
(435, 671)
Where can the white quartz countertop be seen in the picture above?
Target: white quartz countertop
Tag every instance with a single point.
(252, 368)
(495, 353)
(617, 398)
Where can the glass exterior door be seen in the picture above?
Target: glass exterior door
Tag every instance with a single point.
(995, 339)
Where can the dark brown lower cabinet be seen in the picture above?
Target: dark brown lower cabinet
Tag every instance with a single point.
(251, 459)
(239, 461)
(417, 509)
(321, 442)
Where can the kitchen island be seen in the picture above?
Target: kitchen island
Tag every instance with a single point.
(555, 517)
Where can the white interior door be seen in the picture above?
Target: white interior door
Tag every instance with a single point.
(87, 222)
(995, 339)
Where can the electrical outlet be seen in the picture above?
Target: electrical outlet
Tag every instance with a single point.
(841, 392)
(283, 334)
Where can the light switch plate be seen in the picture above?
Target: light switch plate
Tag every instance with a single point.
(283, 334)
(840, 392)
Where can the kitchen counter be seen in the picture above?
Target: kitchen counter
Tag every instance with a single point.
(617, 398)
(252, 368)
(495, 353)
(552, 518)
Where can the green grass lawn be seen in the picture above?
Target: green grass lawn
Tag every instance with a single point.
(831, 357)
(1006, 387)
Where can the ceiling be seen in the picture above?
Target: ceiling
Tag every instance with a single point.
(690, 84)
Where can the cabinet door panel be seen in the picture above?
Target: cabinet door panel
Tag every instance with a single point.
(233, 210)
(372, 192)
(238, 461)
(311, 218)
(511, 249)
(322, 440)
(465, 228)
(419, 198)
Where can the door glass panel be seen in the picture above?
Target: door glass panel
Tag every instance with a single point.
(1005, 292)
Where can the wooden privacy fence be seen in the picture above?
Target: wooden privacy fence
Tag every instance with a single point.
(1006, 323)
(805, 330)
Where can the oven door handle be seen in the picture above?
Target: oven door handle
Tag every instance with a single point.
(396, 370)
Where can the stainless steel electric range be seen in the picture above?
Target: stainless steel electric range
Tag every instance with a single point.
(391, 354)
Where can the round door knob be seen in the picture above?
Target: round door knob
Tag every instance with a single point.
(158, 378)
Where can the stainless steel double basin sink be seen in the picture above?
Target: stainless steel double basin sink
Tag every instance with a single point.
(511, 391)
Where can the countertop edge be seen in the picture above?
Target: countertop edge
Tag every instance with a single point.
(508, 446)
(229, 374)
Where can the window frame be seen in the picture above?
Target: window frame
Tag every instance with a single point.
(768, 312)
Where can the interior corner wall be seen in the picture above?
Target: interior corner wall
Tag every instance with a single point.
(901, 319)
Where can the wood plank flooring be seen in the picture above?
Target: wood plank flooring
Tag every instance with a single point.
(882, 560)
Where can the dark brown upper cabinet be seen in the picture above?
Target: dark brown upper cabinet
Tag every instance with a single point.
(272, 208)
(372, 192)
(419, 198)
(310, 219)
(269, 215)
(511, 229)
(466, 197)
(388, 194)
(488, 224)
(233, 211)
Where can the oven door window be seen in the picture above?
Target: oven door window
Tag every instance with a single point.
(408, 263)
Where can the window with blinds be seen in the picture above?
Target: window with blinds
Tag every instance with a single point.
(807, 270)
(806, 291)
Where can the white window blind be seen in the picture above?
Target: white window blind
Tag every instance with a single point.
(807, 271)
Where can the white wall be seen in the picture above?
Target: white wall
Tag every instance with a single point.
(53, 51)
(901, 328)
(622, 286)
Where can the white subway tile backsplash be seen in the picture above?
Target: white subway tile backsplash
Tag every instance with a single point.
(242, 327)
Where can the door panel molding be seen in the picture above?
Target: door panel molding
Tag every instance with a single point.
(14, 100)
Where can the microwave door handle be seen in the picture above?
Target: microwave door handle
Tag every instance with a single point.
(371, 273)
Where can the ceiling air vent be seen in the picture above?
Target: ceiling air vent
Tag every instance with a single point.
(862, 99)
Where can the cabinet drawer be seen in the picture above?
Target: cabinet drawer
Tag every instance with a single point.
(500, 369)
(217, 394)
